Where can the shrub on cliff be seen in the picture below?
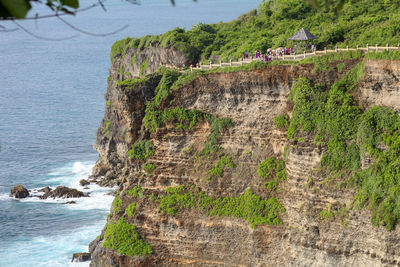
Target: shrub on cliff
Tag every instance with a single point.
(219, 167)
(247, 206)
(124, 238)
(141, 150)
(281, 121)
(273, 169)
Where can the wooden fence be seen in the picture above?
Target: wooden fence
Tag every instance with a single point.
(304, 55)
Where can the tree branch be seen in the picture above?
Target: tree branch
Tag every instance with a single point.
(89, 33)
(41, 37)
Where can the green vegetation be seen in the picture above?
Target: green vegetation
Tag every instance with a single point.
(105, 130)
(130, 211)
(286, 153)
(274, 169)
(359, 23)
(219, 167)
(108, 103)
(135, 192)
(132, 84)
(176, 198)
(247, 206)
(134, 59)
(141, 150)
(124, 238)
(218, 125)
(148, 167)
(183, 118)
(121, 70)
(142, 68)
(388, 55)
(326, 214)
(322, 63)
(281, 121)
(340, 67)
(117, 203)
(189, 76)
(347, 131)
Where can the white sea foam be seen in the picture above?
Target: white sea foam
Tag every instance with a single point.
(52, 250)
(70, 176)
(56, 250)
(4, 196)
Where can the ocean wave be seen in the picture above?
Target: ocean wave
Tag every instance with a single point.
(45, 250)
(56, 250)
(70, 175)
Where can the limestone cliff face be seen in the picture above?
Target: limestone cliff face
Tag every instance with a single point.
(251, 99)
(120, 126)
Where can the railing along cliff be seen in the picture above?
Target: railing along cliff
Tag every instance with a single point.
(304, 55)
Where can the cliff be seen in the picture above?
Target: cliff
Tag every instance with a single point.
(319, 225)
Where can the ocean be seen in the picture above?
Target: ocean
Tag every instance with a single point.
(51, 103)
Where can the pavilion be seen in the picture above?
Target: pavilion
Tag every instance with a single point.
(303, 35)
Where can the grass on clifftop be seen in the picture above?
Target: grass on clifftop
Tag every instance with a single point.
(359, 23)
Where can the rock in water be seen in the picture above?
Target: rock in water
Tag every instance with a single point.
(19, 191)
(84, 182)
(46, 190)
(70, 202)
(63, 192)
(80, 257)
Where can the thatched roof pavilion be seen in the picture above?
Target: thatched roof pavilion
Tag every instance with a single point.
(303, 35)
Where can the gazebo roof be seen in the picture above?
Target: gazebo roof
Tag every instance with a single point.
(303, 35)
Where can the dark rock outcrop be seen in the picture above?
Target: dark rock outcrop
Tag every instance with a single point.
(63, 192)
(84, 182)
(70, 202)
(45, 190)
(81, 257)
(19, 191)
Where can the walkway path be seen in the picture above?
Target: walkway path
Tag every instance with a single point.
(244, 61)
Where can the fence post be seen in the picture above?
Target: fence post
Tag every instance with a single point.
(336, 49)
(230, 62)
(376, 48)
(367, 48)
(241, 62)
(387, 47)
(315, 52)
(191, 67)
(283, 56)
(210, 64)
(326, 50)
(304, 53)
(220, 63)
(357, 47)
(347, 48)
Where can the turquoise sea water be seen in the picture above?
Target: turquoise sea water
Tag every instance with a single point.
(51, 103)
